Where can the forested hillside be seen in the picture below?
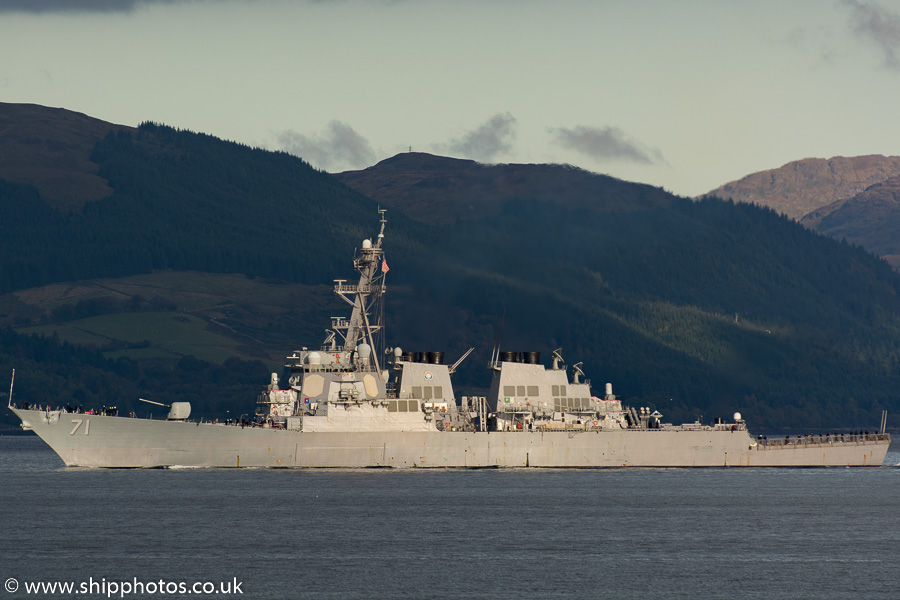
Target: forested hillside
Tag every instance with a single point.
(852, 198)
(701, 305)
(870, 219)
(703, 308)
(693, 308)
(182, 201)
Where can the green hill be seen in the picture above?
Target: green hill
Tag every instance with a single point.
(210, 260)
(182, 201)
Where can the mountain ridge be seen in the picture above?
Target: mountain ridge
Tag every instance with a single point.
(52, 149)
(843, 198)
(693, 307)
(436, 189)
(870, 219)
(802, 186)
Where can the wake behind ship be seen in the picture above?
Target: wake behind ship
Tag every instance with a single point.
(354, 403)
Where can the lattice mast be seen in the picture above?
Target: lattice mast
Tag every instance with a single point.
(366, 323)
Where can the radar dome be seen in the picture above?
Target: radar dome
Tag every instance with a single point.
(737, 417)
(313, 358)
(367, 244)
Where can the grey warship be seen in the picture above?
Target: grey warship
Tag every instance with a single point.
(351, 403)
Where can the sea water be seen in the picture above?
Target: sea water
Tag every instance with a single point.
(829, 533)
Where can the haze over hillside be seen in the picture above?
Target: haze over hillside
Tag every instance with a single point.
(209, 249)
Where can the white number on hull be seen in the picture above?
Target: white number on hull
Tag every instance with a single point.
(78, 422)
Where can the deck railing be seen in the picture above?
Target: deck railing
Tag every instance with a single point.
(824, 440)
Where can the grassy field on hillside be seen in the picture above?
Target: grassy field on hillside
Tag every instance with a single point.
(145, 335)
(210, 316)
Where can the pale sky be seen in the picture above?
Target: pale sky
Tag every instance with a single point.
(686, 95)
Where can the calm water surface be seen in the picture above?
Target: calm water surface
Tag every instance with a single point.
(491, 534)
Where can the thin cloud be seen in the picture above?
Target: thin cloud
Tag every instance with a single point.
(485, 142)
(76, 6)
(816, 41)
(339, 147)
(110, 6)
(879, 26)
(605, 143)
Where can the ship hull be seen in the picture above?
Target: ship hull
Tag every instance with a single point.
(106, 441)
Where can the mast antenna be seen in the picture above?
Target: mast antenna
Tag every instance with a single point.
(495, 353)
(459, 362)
(11, 382)
(383, 220)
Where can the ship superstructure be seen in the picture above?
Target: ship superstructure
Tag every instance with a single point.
(353, 402)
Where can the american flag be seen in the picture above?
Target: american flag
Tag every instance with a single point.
(384, 267)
